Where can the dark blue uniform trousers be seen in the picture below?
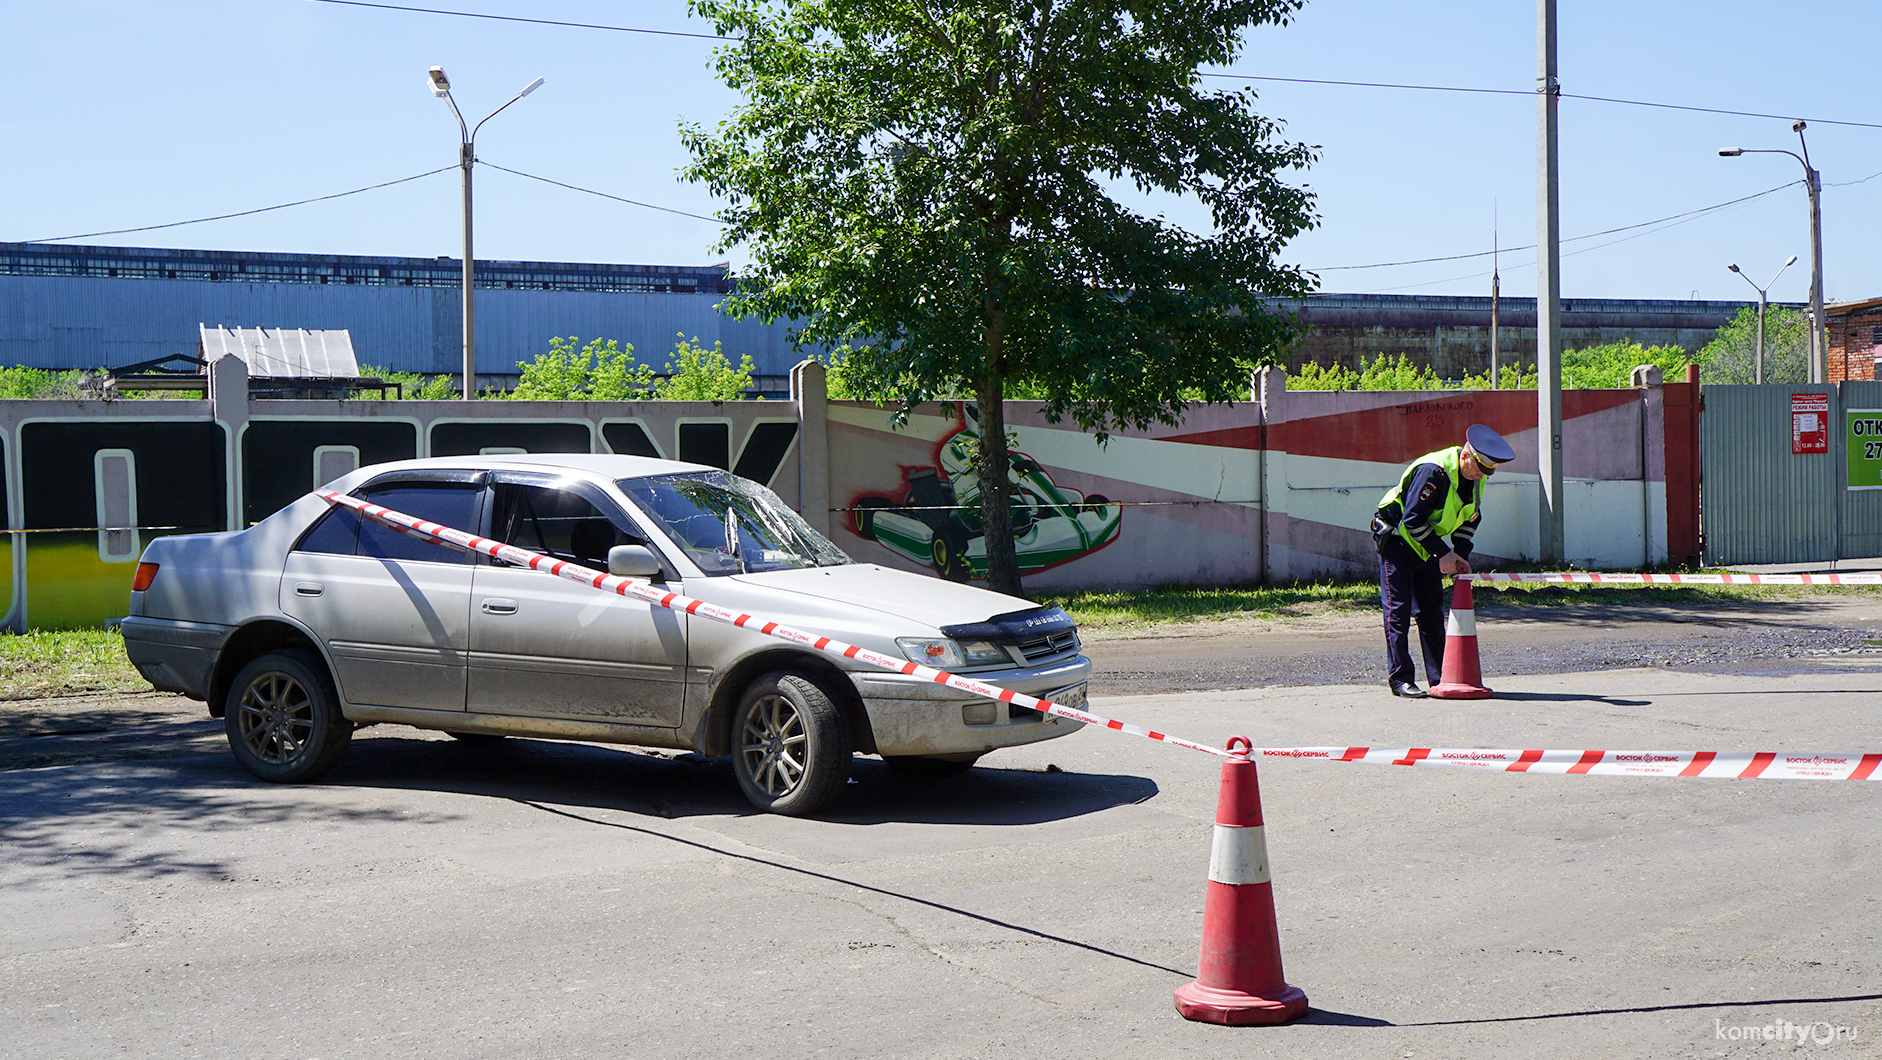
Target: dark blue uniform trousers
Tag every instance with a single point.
(1408, 587)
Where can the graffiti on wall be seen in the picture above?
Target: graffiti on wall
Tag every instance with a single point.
(933, 516)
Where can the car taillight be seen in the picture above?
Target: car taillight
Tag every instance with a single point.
(146, 573)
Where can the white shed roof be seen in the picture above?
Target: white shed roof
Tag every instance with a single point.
(277, 353)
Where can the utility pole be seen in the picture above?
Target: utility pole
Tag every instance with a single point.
(1496, 377)
(1819, 348)
(1813, 184)
(466, 160)
(1548, 291)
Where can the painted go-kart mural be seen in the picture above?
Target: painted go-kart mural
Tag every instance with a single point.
(937, 519)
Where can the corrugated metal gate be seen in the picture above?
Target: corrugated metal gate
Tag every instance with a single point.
(1761, 502)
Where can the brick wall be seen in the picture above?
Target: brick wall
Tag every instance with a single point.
(1854, 337)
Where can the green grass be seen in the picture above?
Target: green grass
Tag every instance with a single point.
(65, 662)
(1127, 611)
(1123, 610)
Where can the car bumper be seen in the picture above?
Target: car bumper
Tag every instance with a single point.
(174, 656)
(912, 716)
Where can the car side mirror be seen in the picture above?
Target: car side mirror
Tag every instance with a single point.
(633, 561)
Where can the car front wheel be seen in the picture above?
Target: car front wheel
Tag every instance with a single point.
(791, 745)
(283, 718)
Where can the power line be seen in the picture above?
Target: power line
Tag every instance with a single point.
(1232, 76)
(1571, 239)
(603, 194)
(244, 213)
(1531, 94)
(533, 21)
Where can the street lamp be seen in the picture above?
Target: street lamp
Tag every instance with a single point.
(1813, 183)
(467, 156)
(1759, 362)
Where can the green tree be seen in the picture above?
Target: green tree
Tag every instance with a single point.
(701, 374)
(603, 370)
(1731, 356)
(937, 187)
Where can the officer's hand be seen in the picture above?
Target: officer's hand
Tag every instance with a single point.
(1452, 563)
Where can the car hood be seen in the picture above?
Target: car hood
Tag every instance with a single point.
(885, 590)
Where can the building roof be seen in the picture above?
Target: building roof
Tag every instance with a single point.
(1838, 309)
(280, 353)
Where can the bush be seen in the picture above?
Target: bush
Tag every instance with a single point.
(1607, 367)
(603, 370)
(704, 375)
(414, 386)
(25, 384)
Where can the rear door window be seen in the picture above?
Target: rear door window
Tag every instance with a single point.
(453, 504)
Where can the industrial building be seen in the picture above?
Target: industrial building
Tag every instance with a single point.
(66, 307)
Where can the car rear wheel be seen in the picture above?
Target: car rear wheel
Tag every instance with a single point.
(791, 745)
(283, 718)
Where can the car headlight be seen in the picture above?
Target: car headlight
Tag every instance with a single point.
(944, 654)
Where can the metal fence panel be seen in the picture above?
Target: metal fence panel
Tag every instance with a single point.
(1760, 502)
(1861, 510)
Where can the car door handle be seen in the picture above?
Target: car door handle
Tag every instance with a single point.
(308, 588)
(499, 607)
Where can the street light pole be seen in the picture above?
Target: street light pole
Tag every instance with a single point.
(467, 159)
(1813, 184)
(1758, 363)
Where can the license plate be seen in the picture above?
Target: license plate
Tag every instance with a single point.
(1072, 696)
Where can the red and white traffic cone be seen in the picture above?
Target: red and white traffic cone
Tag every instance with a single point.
(1462, 677)
(1240, 980)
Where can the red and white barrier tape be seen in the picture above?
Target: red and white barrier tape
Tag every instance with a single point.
(574, 572)
(1599, 578)
(1740, 765)
(1747, 765)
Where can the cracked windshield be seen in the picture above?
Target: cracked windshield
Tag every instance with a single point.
(730, 525)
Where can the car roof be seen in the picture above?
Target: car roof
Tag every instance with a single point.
(602, 465)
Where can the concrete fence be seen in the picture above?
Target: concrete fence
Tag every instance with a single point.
(1277, 488)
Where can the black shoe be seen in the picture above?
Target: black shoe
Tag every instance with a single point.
(1408, 690)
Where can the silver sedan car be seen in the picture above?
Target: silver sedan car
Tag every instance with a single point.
(314, 622)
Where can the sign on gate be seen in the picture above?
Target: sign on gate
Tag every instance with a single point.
(1810, 423)
(1865, 449)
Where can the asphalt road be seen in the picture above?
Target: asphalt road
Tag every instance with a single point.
(533, 899)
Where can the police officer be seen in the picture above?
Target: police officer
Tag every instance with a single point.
(1439, 495)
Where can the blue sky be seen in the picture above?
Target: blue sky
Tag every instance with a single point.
(122, 114)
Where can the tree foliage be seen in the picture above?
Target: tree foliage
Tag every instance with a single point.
(414, 386)
(1606, 367)
(603, 370)
(936, 190)
(700, 374)
(1731, 356)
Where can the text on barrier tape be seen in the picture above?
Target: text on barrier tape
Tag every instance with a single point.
(575, 572)
(1600, 578)
(1740, 765)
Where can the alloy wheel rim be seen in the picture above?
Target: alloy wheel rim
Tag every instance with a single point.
(774, 746)
(276, 718)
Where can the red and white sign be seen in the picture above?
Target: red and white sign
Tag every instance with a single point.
(1810, 423)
